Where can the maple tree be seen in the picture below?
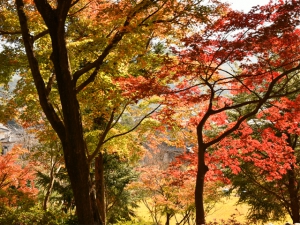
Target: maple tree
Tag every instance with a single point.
(69, 45)
(254, 55)
(263, 159)
(16, 179)
(168, 189)
(165, 195)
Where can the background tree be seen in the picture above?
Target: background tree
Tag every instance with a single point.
(168, 190)
(17, 189)
(120, 200)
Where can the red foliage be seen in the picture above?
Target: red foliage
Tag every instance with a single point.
(268, 147)
(15, 174)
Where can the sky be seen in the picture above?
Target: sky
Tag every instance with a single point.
(245, 5)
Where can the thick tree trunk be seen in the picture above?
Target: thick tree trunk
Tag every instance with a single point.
(68, 126)
(70, 129)
(293, 192)
(293, 186)
(78, 172)
(202, 169)
(75, 156)
(73, 142)
(99, 180)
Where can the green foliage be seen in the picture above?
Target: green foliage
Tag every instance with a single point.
(120, 201)
(62, 191)
(71, 220)
(32, 216)
(257, 193)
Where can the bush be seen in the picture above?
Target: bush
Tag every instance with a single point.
(35, 216)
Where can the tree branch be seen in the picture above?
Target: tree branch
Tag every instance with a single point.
(3, 32)
(113, 42)
(38, 80)
(117, 120)
(90, 79)
(133, 128)
(280, 198)
(43, 33)
(102, 137)
(50, 83)
(253, 112)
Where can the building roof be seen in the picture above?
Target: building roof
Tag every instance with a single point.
(4, 128)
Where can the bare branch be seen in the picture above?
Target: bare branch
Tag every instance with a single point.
(133, 128)
(3, 32)
(50, 83)
(43, 33)
(260, 102)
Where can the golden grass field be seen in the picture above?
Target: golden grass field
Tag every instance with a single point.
(223, 210)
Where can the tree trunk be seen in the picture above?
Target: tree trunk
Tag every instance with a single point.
(99, 180)
(50, 186)
(168, 216)
(293, 192)
(73, 143)
(293, 186)
(68, 126)
(202, 169)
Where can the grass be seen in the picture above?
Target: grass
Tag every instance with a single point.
(226, 208)
(223, 210)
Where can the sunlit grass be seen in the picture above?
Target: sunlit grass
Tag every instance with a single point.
(225, 209)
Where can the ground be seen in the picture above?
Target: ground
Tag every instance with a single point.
(223, 210)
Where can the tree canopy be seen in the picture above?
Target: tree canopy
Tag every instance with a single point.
(100, 70)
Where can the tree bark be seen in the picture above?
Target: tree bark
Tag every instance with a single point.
(73, 143)
(293, 192)
(168, 217)
(202, 170)
(99, 180)
(69, 128)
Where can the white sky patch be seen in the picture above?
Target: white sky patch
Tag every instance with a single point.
(245, 5)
